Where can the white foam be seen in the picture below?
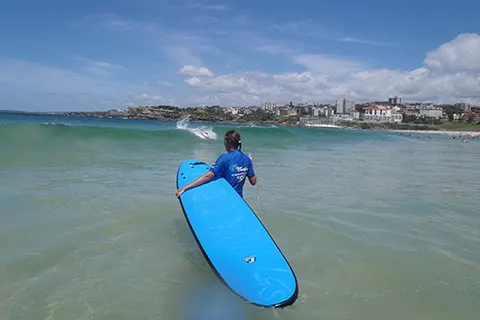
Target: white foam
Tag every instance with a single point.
(57, 124)
(323, 125)
(202, 132)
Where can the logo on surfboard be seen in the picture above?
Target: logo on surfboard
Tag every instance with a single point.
(250, 259)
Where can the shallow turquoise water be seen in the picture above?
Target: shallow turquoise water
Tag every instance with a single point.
(375, 225)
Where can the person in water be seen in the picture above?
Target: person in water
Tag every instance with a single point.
(235, 166)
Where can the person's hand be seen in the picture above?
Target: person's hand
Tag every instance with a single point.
(179, 192)
(250, 156)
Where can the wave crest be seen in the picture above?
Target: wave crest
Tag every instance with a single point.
(202, 132)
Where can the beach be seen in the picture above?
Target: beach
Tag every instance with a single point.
(455, 133)
(376, 225)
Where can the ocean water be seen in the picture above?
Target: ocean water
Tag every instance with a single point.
(376, 225)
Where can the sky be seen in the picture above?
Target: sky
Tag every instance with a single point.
(99, 55)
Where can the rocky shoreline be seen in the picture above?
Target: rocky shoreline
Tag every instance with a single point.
(257, 117)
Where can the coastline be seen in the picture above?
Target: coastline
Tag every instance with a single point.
(446, 132)
(259, 118)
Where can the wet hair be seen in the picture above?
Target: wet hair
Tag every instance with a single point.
(232, 139)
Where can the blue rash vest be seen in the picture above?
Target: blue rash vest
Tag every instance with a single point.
(234, 166)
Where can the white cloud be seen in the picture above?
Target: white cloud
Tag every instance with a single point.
(201, 6)
(221, 34)
(460, 54)
(31, 86)
(310, 29)
(117, 23)
(451, 73)
(363, 41)
(44, 79)
(258, 43)
(179, 46)
(182, 54)
(101, 68)
(304, 84)
(194, 82)
(327, 65)
(193, 71)
(148, 98)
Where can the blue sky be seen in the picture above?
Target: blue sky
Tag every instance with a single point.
(93, 55)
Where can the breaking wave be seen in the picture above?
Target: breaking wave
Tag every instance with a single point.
(202, 132)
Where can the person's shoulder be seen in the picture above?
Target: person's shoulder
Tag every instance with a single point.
(222, 157)
(247, 158)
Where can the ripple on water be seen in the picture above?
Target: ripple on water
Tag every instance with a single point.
(374, 226)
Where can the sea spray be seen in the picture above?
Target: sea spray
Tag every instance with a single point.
(201, 132)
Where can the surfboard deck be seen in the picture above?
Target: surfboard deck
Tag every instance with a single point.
(234, 241)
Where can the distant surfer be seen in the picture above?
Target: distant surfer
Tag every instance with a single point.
(235, 166)
(205, 134)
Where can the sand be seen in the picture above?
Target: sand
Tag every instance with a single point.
(447, 132)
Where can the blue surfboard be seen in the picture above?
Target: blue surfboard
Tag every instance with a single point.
(234, 241)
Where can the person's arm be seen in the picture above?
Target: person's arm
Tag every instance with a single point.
(215, 170)
(252, 177)
(253, 180)
(201, 180)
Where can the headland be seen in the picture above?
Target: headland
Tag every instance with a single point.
(431, 119)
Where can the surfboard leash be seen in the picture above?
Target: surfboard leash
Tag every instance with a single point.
(259, 200)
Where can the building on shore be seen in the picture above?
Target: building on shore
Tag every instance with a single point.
(345, 106)
(286, 111)
(319, 121)
(367, 114)
(380, 114)
(409, 112)
(431, 113)
(269, 106)
(324, 111)
(342, 117)
(394, 101)
(232, 110)
(470, 117)
(464, 106)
